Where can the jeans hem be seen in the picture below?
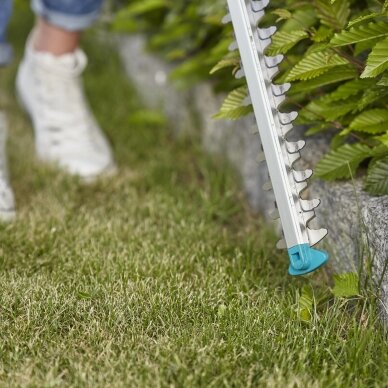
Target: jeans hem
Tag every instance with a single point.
(68, 22)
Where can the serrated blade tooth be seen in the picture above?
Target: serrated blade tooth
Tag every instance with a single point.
(264, 43)
(293, 147)
(286, 129)
(273, 61)
(257, 16)
(280, 90)
(274, 214)
(240, 74)
(308, 205)
(260, 158)
(233, 46)
(287, 118)
(259, 5)
(281, 244)
(227, 19)
(247, 101)
(300, 187)
(308, 216)
(301, 176)
(292, 158)
(315, 236)
(267, 186)
(265, 33)
(278, 100)
(272, 72)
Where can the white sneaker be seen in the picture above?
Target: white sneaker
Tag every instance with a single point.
(51, 91)
(7, 201)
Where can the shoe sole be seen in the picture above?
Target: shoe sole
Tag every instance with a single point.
(7, 215)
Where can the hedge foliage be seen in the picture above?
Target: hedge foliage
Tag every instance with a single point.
(336, 58)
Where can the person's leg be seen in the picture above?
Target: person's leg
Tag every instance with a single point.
(7, 202)
(50, 88)
(5, 48)
(55, 40)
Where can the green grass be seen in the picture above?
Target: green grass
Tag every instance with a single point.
(159, 276)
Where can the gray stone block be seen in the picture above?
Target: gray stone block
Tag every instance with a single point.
(150, 76)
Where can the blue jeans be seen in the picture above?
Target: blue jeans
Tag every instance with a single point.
(71, 15)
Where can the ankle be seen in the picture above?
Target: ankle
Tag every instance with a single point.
(54, 40)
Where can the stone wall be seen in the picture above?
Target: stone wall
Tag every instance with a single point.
(351, 215)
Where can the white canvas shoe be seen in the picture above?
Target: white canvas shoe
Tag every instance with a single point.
(50, 89)
(7, 201)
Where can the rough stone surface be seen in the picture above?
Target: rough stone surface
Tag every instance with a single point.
(357, 222)
(150, 75)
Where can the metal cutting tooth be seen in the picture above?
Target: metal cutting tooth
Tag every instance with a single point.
(264, 43)
(292, 158)
(272, 72)
(278, 100)
(316, 235)
(259, 5)
(280, 90)
(308, 205)
(240, 74)
(267, 186)
(256, 17)
(227, 19)
(293, 147)
(281, 244)
(273, 61)
(265, 33)
(286, 129)
(300, 187)
(301, 176)
(308, 216)
(287, 118)
(233, 46)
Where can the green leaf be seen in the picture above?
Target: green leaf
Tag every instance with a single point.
(341, 73)
(320, 109)
(377, 179)
(377, 60)
(232, 107)
(314, 65)
(384, 80)
(371, 121)
(138, 8)
(333, 15)
(283, 14)
(372, 95)
(301, 19)
(384, 140)
(322, 34)
(231, 60)
(342, 162)
(360, 34)
(346, 285)
(363, 18)
(282, 42)
(350, 89)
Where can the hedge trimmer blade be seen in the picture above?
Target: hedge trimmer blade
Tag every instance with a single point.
(287, 183)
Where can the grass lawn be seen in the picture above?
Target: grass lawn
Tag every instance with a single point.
(158, 276)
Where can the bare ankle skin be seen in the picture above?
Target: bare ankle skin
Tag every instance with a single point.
(55, 40)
